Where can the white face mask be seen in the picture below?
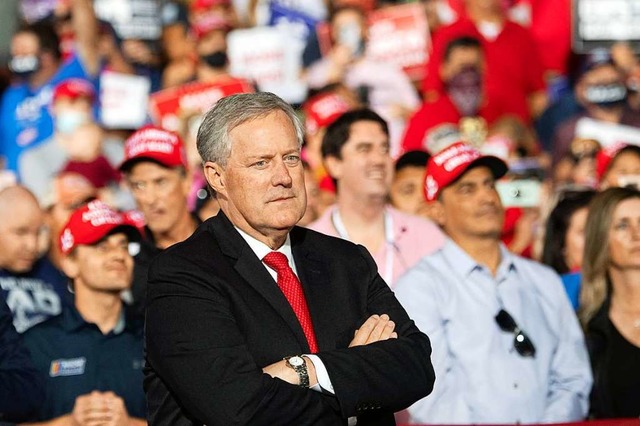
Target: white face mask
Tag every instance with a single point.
(69, 121)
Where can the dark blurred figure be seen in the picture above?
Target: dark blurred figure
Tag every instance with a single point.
(32, 287)
(564, 239)
(407, 187)
(602, 92)
(21, 386)
(610, 302)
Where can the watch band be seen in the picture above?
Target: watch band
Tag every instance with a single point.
(298, 365)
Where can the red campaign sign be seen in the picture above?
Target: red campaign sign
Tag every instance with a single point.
(167, 105)
(397, 35)
(400, 35)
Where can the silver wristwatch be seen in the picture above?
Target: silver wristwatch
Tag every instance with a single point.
(299, 366)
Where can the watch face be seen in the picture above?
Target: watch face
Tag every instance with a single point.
(296, 361)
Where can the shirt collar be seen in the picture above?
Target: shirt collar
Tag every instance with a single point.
(261, 249)
(73, 321)
(466, 265)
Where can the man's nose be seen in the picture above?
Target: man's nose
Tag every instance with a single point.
(281, 174)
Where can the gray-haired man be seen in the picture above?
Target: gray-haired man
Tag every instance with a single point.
(255, 321)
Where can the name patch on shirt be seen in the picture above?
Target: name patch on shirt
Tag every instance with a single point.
(67, 367)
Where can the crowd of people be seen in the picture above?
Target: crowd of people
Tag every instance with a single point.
(496, 192)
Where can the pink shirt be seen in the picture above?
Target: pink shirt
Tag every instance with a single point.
(412, 238)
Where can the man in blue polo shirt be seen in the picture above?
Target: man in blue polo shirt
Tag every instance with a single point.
(92, 354)
(37, 68)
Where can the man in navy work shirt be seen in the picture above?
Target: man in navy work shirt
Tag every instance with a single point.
(21, 387)
(507, 346)
(92, 354)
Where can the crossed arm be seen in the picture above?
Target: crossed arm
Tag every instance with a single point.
(375, 329)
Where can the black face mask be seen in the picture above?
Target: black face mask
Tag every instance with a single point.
(24, 66)
(465, 91)
(610, 95)
(215, 59)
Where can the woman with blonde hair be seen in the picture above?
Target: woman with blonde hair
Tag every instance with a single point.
(610, 301)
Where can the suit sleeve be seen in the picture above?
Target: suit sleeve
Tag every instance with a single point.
(209, 368)
(388, 375)
(21, 386)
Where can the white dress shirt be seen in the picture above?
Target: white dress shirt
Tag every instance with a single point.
(261, 250)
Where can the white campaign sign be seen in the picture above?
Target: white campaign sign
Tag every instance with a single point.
(124, 99)
(607, 133)
(268, 57)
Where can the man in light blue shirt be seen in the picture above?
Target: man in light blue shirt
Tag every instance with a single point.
(507, 347)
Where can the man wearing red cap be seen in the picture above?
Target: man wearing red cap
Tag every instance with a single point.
(507, 344)
(355, 149)
(155, 167)
(618, 165)
(91, 355)
(76, 146)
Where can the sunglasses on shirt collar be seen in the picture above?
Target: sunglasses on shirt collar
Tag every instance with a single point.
(521, 342)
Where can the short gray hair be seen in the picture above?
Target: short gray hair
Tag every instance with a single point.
(213, 141)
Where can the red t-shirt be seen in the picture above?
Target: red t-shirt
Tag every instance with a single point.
(435, 113)
(513, 67)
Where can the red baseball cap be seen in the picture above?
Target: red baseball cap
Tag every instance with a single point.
(208, 22)
(156, 144)
(452, 162)
(606, 155)
(91, 223)
(324, 109)
(206, 4)
(74, 88)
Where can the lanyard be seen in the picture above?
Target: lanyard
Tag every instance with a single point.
(388, 238)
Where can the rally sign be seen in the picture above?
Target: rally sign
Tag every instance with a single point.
(167, 105)
(399, 36)
(123, 100)
(600, 23)
(268, 57)
(132, 19)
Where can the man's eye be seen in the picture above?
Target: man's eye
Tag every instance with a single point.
(260, 164)
(292, 159)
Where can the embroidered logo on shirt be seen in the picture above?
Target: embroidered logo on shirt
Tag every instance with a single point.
(67, 367)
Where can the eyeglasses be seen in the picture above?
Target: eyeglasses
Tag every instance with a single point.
(522, 343)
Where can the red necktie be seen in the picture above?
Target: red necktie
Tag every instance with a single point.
(292, 290)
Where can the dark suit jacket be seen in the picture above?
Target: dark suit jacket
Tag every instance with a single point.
(216, 317)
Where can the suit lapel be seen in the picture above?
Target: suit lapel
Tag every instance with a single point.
(314, 276)
(251, 269)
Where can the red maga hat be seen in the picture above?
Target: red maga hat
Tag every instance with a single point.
(74, 88)
(322, 110)
(452, 162)
(91, 223)
(154, 143)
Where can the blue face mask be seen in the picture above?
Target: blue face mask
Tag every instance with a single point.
(69, 121)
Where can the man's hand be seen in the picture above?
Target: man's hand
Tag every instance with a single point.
(375, 329)
(90, 409)
(100, 408)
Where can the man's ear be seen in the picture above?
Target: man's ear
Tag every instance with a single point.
(215, 175)
(333, 166)
(436, 212)
(69, 265)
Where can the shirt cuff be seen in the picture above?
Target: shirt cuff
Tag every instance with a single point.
(324, 382)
